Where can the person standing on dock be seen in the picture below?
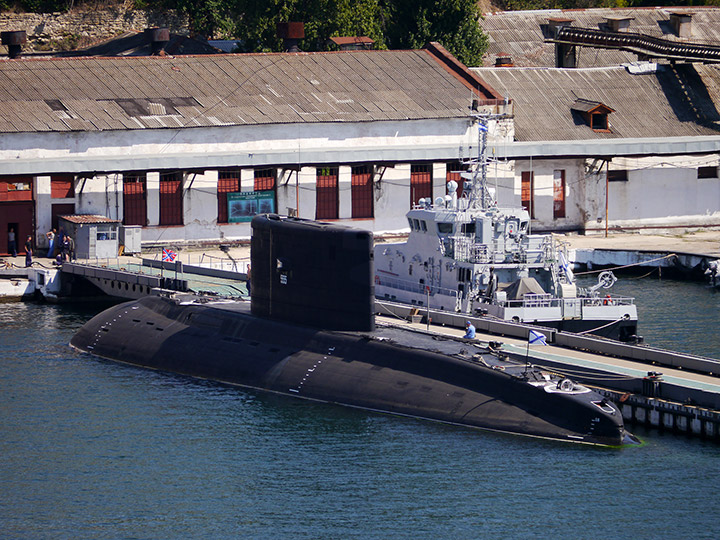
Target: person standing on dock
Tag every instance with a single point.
(71, 246)
(51, 243)
(65, 248)
(12, 242)
(28, 252)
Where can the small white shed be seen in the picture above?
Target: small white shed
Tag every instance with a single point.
(95, 237)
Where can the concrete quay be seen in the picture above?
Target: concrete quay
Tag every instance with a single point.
(684, 254)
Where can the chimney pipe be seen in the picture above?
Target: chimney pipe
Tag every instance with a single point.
(158, 38)
(14, 41)
(682, 24)
(618, 24)
(291, 33)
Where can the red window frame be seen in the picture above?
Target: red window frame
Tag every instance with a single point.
(361, 186)
(453, 173)
(135, 199)
(420, 183)
(62, 186)
(264, 180)
(9, 191)
(171, 198)
(527, 192)
(228, 182)
(327, 201)
(559, 194)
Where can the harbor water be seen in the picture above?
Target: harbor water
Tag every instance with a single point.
(94, 449)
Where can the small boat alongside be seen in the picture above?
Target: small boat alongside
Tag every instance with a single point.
(465, 253)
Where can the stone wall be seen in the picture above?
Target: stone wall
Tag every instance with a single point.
(83, 27)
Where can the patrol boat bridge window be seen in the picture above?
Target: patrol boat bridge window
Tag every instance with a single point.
(444, 228)
(417, 225)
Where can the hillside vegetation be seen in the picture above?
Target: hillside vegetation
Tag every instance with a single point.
(393, 24)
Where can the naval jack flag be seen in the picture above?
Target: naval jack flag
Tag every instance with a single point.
(536, 338)
(168, 255)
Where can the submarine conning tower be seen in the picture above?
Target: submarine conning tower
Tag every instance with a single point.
(312, 273)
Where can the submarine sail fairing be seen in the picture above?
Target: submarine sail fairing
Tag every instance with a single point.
(309, 332)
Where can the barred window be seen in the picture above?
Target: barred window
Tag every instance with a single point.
(558, 194)
(527, 192)
(453, 173)
(62, 186)
(362, 192)
(264, 179)
(228, 182)
(420, 183)
(171, 198)
(135, 199)
(327, 193)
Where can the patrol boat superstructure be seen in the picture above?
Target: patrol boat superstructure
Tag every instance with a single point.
(469, 255)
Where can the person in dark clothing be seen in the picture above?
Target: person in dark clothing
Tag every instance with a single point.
(28, 252)
(12, 242)
(71, 252)
(65, 248)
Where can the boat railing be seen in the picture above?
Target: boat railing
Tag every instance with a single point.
(547, 300)
(412, 286)
(465, 249)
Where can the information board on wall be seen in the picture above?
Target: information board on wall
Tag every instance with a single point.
(244, 205)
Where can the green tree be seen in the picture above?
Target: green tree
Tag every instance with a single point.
(452, 23)
(257, 20)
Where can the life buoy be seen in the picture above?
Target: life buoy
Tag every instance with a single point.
(377, 279)
(608, 300)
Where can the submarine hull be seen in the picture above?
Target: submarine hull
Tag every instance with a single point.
(391, 370)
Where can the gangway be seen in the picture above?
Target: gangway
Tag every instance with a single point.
(643, 45)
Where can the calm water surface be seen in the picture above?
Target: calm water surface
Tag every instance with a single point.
(93, 449)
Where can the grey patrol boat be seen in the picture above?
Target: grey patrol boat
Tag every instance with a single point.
(467, 254)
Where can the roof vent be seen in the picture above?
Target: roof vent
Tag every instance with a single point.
(682, 24)
(618, 24)
(504, 61)
(555, 24)
(158, 38)
(14, 41)
(291, 33)
(354, 43)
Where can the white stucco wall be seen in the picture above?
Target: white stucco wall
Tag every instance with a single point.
(240, 146)
(660, 192)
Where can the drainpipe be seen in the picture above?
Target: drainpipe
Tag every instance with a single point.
(607, 194)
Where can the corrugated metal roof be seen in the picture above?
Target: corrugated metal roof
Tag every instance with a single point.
(236, 89)
(521, 34)
(83, 219)
(673, 102)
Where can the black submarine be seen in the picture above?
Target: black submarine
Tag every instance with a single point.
(309, 331)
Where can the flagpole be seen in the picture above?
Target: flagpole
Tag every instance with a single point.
(527, 354)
